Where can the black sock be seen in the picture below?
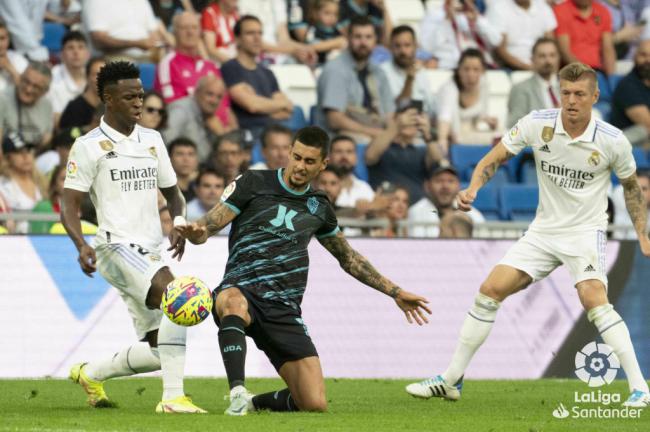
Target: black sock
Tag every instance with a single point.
(275, 401)
(232, 342)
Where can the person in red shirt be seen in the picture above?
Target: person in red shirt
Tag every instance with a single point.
(217, 22)
(584, 32)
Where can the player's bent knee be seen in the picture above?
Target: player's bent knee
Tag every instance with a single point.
(312, 404)
(494, 290)
(231, 302)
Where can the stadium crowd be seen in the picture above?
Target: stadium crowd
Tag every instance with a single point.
(408, 107)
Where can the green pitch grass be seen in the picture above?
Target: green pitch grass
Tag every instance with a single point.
(354, 405)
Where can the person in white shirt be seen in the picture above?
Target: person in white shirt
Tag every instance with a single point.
(209, 187)
(442, 189)
(276, 146)
(542, 90)
(575, 155)
(407, 80)
(12, 64)
(69, 77)
(521, 23)
(122, 166)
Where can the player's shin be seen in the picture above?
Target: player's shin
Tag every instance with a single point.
(275, 401)
(232, 342)
(615, 333)
(171, 345)
(138, 358)
(475, 330)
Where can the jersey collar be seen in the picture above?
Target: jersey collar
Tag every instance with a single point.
(287, 188)
(116, 136)
(588, 135)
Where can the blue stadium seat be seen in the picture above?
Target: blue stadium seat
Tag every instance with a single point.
(641, 158)
(312, 115)
(297, 120)
(487, 202)
(529, 173)
(605, 108)
(514, 165)
(465, 158)
(147, 75)
(256, 153)
(518, 202)
(361, 170)
(613, 81)
(52, 35)
(604, 87)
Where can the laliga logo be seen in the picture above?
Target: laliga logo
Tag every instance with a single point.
(596, 364)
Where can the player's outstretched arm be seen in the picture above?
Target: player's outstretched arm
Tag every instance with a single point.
(210, 224)
(176, 206)
(360, 268)
(638, 210)
(70, 211)
(483, 172)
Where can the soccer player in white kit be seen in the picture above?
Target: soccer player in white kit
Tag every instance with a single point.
(574, 155)
(122, 165)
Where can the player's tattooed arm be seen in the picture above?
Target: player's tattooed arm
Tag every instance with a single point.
(217, 218)
(489, 165)
(636, 205)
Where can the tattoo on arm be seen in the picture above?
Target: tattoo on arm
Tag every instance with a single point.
(488, 171)
(636, 205)
(358, 266)
(218, 217)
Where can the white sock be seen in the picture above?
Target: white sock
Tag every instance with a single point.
(475, 330)
(614, 332)
(171, 345)
(138, 358)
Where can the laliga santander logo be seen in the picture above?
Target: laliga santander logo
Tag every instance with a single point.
(596, 364)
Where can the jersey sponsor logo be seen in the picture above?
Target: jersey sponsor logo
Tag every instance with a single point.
(312, 205)
(71, 168)
(545, 148)
(566, 178)
(594, 159)
(284, 217)
(106, 145)
(547, 133)
(228, 191)
(135, 179)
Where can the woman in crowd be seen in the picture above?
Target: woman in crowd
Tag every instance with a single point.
(154, 112)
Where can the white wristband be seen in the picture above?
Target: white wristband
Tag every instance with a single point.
(179, 220)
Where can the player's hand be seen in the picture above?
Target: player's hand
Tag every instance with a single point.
(413, 306)
(177, 244)
(195, 233)
(87, 260)
(644, 243)
(465, 198)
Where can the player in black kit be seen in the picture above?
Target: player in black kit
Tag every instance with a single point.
(274, 215)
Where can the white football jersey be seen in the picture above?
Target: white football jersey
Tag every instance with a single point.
(122, 174)
(574, 175)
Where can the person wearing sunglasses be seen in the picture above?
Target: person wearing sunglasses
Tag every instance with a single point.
(154, 112)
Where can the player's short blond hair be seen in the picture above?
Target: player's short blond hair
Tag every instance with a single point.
(578, 71)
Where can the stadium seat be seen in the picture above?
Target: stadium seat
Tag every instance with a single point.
(603, 86)
(409, 12)
(437, 77)
(641, 158)
(297, 120)
(518, 76)
(361, 170)
(603, 109)
(465, 158)
(518, 202)
(147, 75)
(624, 67)
(529, 173)
(613, 81)
(435, 4)
(487, 202)
(298, 82)
(499, 85)
(52, 36)
(312, 115)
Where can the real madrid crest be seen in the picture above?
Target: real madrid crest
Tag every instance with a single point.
(594, 159)
(547, 133)
(106, 145)
(152, 150)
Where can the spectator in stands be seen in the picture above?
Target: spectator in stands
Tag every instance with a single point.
(25, 109)
(329, 181)
(154, 112)
(323, 36)
(393, 156)
(69, 77)
(621, 216)
(463, 115)
(228, 155)
(80, 110)
(182, 152)
(442, 187)
(629, 24)
(631, 99)
(542, 90)
(12, 64)
(217, 22)
(456, 27)
(256, 96)
(375, 10)
(61, 145)
(194, 116)
(127, 29)
(276, 146)
(299, 18)
(209, 187)
(457, 225)
(21, 184)
(277, 44)
(6, 226)
(406, 79)
(24, 19)
(521, 23)
(351, 96)
(51, 205)
(167, 10)
(396, 213)
(66, 12)
(584, 32)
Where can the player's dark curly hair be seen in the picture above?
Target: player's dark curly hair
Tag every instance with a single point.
(313, 136)
(112, 72)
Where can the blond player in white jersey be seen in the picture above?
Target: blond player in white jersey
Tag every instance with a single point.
(574, 155)
(122, 166)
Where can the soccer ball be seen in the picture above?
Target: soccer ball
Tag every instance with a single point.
(187, 301)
